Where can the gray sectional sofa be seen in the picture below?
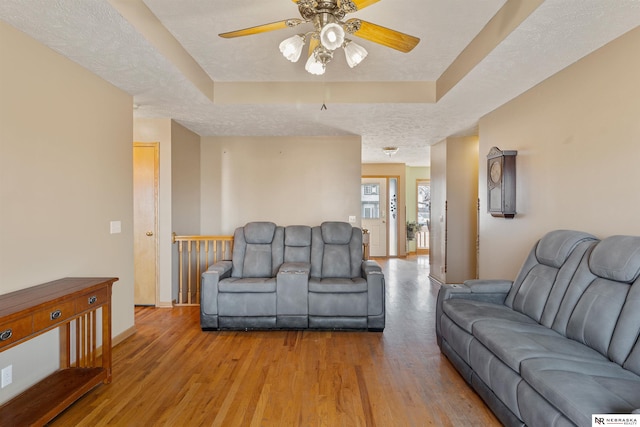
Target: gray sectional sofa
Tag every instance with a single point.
(558, 344)
(294, 277)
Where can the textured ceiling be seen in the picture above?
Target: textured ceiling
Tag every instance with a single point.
(101, 36)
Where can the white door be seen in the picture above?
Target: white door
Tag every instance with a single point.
(373, 194)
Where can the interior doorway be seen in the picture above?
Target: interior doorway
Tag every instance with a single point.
(145, 222)
(373, 196)
(423, 215)
(380, 215)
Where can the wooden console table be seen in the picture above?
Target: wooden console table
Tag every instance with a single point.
(70, 305)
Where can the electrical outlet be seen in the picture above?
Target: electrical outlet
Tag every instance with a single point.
(7, 376)
(352, 219)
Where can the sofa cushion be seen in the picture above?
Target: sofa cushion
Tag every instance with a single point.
(337, 285)
(465, 313)
(515, 342)
(256, 284)
(582, 388)
(617, 258)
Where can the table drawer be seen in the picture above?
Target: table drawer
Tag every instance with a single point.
(91, 300)
(14, 331)
(53, 314)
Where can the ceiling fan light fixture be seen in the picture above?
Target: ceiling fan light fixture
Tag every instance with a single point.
(354, 53)
(315, 66)
(332, 36)
(291, 48)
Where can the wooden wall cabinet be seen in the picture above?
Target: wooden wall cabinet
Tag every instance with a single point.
(71, 305)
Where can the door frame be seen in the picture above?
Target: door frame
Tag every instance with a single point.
(398, 223)
(156, 195)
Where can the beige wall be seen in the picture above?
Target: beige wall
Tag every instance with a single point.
(454, 200)
(398, 170)
(65, 173)
(578, 141)
(287, 180)
(462, 208)
(185, 180)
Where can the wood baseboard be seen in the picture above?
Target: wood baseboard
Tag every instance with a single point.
(123, 336)
(165, 304)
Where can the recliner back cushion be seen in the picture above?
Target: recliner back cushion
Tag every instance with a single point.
(607, 316)
(617, 258)
(633, 361)
(336, 261)
(594, 318)
(258, 250)
(297, 243)
(336, 233)
(531, 297)
(545, 275)
(259, 232)
(336, 250)
(556, 246)
(257, 261)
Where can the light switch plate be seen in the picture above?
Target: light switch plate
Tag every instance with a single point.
(7, 376)
(115, 227)
(352, 219)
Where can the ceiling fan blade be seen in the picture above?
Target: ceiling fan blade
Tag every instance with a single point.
(381, 35)
(287, 23)
(314, 42)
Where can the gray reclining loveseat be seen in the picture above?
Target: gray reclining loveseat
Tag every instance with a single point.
(558, 344)
(294, 277)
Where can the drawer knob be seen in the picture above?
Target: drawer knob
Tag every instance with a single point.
(93, 299)
(5, 335)
(56, 314)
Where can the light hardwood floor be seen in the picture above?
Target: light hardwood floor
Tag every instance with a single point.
(170, 373)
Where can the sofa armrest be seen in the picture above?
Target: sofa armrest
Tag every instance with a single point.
(372, 272)
(209, 286)
(489, 286)
(494, 291)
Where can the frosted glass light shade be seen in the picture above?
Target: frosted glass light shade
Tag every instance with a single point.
(332, 36)
(354, 53)
(291, 48)
(314, 66)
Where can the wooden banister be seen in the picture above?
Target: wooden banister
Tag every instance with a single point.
(195, 255)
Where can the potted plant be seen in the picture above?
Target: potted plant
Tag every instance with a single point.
(412, 227)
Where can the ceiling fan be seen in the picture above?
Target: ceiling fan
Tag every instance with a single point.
(329, 33)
